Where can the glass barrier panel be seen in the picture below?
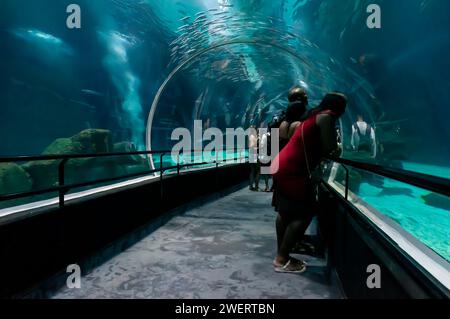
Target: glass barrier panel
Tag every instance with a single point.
(421, 213)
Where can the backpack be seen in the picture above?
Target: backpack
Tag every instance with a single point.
(278, 119)
(364, 139)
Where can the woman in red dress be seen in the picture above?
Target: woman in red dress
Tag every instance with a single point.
(292, 170)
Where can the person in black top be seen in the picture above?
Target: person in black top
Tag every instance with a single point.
(298, 101)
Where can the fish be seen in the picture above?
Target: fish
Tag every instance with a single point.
(437, 201)
(91, 92)
(43, 40)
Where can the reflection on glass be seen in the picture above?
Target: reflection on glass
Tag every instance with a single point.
(423, 214)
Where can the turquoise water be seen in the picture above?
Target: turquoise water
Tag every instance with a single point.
(405, 205)
(440, 171)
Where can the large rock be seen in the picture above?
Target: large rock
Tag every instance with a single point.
(13, 179)
(94, 140)
(124, 147)
(127, 147)
(45, 173)
(63, 146)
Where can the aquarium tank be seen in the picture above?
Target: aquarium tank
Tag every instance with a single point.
(104, 76)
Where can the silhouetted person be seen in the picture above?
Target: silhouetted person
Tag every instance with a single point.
(298, 101)
(363, 137)
(265, 154)
(253, 158)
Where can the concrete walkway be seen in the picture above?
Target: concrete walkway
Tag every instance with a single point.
(223, 249)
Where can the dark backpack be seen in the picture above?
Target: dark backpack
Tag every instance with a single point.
(277, 120)
(364, 138)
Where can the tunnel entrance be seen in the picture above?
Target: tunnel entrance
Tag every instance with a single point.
(192, 59)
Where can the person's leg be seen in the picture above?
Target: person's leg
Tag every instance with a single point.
(301, 246)
(257, 176)
(252, 176)
(307, 212)
(289, 224)
(288, 241)
(281, 230)
(266, 180)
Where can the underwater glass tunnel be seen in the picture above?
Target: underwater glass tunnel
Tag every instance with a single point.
(134, 71)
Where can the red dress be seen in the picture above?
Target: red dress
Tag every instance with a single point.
(290, 167)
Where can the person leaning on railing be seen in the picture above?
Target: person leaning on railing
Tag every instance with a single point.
(314, 138)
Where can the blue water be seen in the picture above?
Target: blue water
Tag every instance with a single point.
(435, 170)
(431, 225)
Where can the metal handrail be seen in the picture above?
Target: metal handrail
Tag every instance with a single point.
(62, 189)
(435, 184)
(35, 158)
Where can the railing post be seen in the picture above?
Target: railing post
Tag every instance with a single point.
(161, 175)
(217, 159)
(61, 182)
(161, 158)
(216, 175)
(346, 181)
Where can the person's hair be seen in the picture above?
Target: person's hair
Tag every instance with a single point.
(297, 94)
(334, 101)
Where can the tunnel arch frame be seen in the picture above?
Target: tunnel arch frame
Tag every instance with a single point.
(190, 60)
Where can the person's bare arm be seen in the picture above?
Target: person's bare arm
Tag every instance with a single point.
(293, 128)
(374, 143)
(284, 130)
(352, 142)
(327, 134)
